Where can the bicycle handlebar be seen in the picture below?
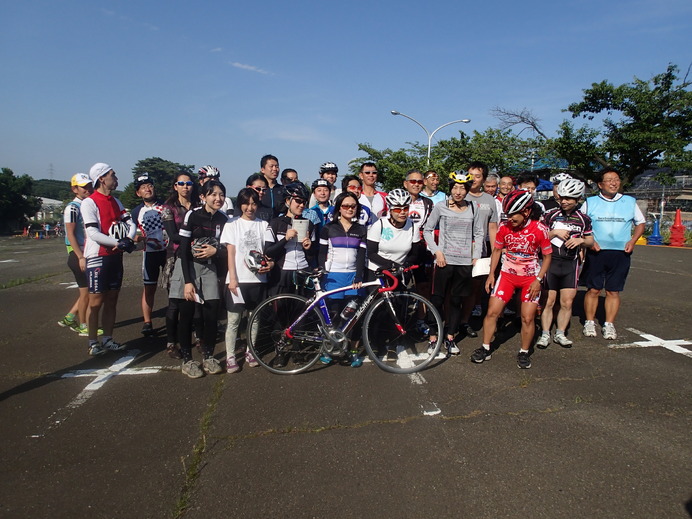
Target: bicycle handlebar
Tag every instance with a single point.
(393, 278)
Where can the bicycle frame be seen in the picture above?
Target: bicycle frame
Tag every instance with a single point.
(319, 300)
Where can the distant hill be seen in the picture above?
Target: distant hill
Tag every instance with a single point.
(57, 189)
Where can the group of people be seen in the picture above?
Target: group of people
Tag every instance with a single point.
(486, 235)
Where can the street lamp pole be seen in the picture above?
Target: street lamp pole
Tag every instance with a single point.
(430, 134)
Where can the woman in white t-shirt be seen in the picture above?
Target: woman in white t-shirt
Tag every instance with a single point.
(244, 237)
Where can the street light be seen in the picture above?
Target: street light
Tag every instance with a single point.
(429, 134)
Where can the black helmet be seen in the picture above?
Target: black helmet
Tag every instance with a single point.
(296, 190)
(321, 182)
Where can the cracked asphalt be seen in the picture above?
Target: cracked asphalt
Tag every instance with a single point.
(591, 431)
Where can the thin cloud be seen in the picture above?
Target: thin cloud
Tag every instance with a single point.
(251, 68)
(273, 129)
(217, 49)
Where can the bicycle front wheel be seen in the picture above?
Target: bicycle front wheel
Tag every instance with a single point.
(276, 350)
(391, 335)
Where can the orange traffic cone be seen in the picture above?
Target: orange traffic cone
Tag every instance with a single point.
(677, 231)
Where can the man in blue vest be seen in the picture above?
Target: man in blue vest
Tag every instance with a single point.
(608, 261)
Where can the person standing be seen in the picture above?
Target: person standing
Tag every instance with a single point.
(431, 183)
(491, 183)
(147, 216)
(274, 196)
(608, 262)
(74, 239)
(328, 171)
(109, 232)
(371, 197)
(207, 173)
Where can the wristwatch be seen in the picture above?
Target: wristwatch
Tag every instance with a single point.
(540, 280)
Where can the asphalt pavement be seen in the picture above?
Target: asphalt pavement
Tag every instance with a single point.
(598, 430)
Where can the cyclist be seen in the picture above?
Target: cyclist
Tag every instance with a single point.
(318, 213)
(353, 184)
(269, 168)
(342, 256)
(147, 216)
(207, 173)
(291, 252)
(257, 182)
(523, 237)
(328, 171)
(245, 236)
(74, 239)
(109, 232)
(458, 247)
(195, 280)
(371, 197)
(183, 198)
(569, 230)
(430, 184)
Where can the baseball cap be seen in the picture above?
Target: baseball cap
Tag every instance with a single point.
(143, 179)
(80, 179)
(98, 170)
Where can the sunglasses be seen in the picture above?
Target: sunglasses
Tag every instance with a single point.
(299, 201)
(348, 206)
(369, 172)
(415, 182)
(403, 209)
(260, 189)
(182, 183)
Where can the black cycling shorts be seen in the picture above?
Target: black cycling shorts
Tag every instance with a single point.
(563, 273)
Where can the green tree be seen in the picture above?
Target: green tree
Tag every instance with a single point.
(163, 173)
(16, 200)
(647, 123)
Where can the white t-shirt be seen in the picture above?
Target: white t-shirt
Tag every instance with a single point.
(246, 235)
(394, 244)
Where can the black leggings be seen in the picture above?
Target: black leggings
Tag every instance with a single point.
(172, 317)
(210, 310)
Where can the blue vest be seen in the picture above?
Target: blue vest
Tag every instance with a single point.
(611, 220)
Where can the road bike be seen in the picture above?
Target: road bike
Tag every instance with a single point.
(288, 333)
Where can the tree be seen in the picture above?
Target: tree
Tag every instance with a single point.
(16, 200)
(162, 172)
(654, 127)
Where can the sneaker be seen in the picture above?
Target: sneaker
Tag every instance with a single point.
(392, 355)
(422, 327)
(250, 360)
(477, 311)
(544, 340)
(356, 361)
(95, 349)
(280, 360)
(523, 360)
(84, 331)
(232, 365)
(480, 355)
(452, 347)
(589, 329)
(325, 359)
(212, 366)
(111, 345)
(431, 347)
(72, 324)
(470, 332)
(192, 369)
(609, 332)
(147, 330)
(562, 340)
(173, 350)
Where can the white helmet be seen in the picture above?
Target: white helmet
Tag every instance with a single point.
(556, 179)
(398, 198)
(118, 230)
(209, 172)
(571, 188)
(255, 260)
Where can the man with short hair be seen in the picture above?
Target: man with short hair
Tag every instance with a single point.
(147, 217)
(328, 171)
(317, 214)
(274, 196)
(430, 184)
(485, 206)
(505, 187)
(371, 197)
(110, 232)
(608, 261)
(491, 183)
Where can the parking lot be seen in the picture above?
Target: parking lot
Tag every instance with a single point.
(598, 430)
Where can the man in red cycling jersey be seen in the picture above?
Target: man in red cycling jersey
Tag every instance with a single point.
(109, 232)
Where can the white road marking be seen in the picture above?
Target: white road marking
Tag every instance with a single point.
(674, 345)
(9, 261)
(101, 376)
(70, 285)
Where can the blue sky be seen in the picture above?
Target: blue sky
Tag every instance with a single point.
(225, 82)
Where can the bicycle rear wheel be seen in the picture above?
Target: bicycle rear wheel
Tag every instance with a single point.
(269, 343)
(391, 337)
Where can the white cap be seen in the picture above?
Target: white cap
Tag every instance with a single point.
(98, 170)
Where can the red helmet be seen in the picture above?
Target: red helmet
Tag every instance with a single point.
(517, 201)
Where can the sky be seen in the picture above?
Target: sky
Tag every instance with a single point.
(226, 82)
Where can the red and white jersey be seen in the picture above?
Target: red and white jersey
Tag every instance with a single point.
(522, 246)
(100, 213)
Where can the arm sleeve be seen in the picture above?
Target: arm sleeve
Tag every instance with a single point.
(429, 229)
(91, 225)
(185, 249)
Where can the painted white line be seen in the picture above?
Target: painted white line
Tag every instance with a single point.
(9, 261)
(70, 285)
(651, 341)
(432, 409)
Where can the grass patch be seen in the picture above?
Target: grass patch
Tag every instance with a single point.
(193, 470)
(23, 281)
